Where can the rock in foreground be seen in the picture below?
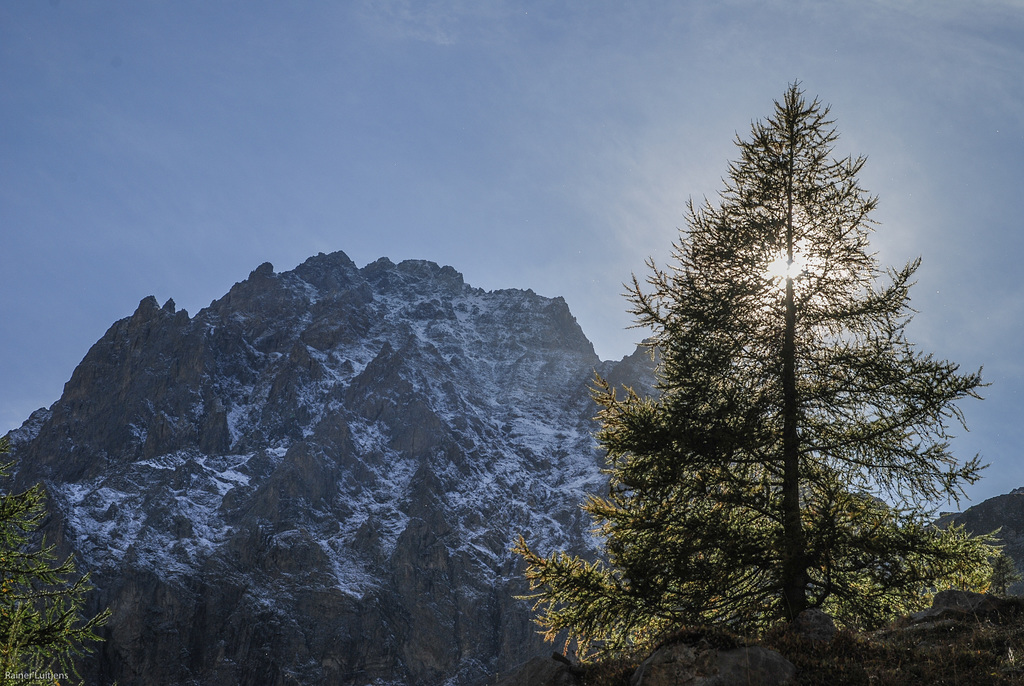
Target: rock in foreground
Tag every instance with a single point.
(704, 665)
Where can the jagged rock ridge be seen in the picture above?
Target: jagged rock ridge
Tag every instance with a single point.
(317, 478)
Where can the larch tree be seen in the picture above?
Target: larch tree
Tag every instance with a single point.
(43, 627)
(1004, 573)
(798, 443)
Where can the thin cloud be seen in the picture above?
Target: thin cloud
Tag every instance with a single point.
(438, 22)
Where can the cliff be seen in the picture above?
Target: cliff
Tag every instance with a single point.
(317, 478)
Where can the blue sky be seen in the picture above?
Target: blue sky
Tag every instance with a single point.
(170, 147)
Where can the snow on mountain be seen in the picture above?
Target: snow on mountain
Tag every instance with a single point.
(317, 478)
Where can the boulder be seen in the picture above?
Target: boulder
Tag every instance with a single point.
(542, 671)
(813, 625)
(966, 604)
(703, 665)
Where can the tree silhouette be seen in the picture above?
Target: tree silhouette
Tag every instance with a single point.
(799, 440)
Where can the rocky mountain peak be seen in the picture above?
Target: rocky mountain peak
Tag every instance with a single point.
(318, 477)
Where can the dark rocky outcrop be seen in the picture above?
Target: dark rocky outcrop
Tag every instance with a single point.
(813, 624)
(705, 665)
(967, 605)
(317, 479)
(543, 671)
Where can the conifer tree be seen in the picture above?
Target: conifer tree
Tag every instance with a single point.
(42, 625)
(799, 441)
(1004, 573)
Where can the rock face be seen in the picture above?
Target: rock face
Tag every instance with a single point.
(317, 478)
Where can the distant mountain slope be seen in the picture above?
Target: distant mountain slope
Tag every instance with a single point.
(317, 478)
(1003, 512)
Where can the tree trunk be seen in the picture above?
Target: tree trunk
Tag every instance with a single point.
(794, 558)
(794, 567)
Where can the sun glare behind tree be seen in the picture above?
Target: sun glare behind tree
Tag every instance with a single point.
(800, 266)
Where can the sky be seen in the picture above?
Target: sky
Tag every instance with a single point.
(169, 147)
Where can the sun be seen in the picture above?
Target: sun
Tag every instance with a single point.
(781, 268)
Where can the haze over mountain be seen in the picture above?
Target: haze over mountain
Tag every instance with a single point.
(317, 479)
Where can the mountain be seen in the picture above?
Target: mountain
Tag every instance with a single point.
(317, 478)
(1003, 512)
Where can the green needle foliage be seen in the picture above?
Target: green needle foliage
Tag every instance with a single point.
(799, 441)
(1004, 573)
(42, 627)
